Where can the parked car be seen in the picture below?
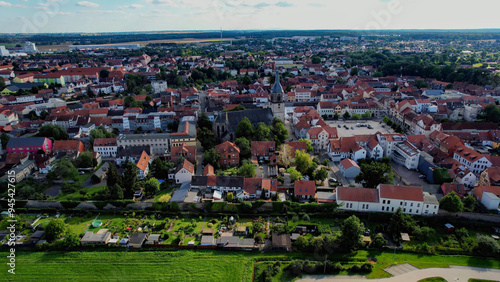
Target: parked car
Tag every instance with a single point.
(340, 126)
(422, 176)
(332, 179)
(370, 127)
(352, 127)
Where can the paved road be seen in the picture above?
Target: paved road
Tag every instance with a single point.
(453, 274)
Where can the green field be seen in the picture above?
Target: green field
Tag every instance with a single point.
(189, 265)
(121, 266)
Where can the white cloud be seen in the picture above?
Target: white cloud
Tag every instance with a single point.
(5, 4)
(133, 6)
(87, 4)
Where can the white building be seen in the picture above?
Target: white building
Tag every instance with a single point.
(406, 154)
(471, 159)
(4, 52)
(184, 173)
(388, 198)
(489, 196)
(106, 147)
(159, 86)
(349, 168)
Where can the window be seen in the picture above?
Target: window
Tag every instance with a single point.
(389, 201)
(382, 208)
(383, 202)
(401, 203)
(418, 205)
(411, 204)
(404, 210)
(417, 211)
(392, 209)
(427, 206)
(366, 206)
(410, 210)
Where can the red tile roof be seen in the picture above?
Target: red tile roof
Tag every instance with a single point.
(479, 190)
(353, 194)
(98, 142)
(143, 161)
(304, 188)
(409, 193)
(208, 170)
(348, 163)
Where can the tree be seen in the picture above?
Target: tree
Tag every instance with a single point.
(302, 161)
(400, 222)
(486, 245)
(115, 192)
(374, 173)
(354, 71)
(206, 137)
(356, 116)
(294, 174)
(347, 115)
(451, 202)
(351, 233)
(441, 175)
(419, 83)
(378, 242)
(336, 116)
(85, 160)
(492, 113)
(262, 132)
(247, 170)
(71, 241)
(130, 180)
(279, 132)
(469, 202)
(321, 174)
(211, 157)
(315, 60)
(54, 229)
(308, 144)
(5, 139)
(246, 80)
(367, 115)
(229, 197)
(244, 145)
(161, 168)
(113, 177)
(151, 187)
(53, 131)
(386, 119)
(100, 132)
(63, 169)
(245, 128)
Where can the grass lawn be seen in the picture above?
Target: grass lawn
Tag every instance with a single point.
(163, 193)
(120, 265)
(480, 280)
(433, 279)
(83, 177)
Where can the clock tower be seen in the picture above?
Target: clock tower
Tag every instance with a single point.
(277, 100)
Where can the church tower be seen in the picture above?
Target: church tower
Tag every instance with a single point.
(277, 101)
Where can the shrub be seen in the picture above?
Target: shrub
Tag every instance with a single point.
(366, 267)
(310, 267)
(486, 245)
(95, 179)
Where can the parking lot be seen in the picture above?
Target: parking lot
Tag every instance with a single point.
(343, 132)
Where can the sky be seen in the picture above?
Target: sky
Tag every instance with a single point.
(40, 16)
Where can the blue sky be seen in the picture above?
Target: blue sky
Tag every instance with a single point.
(18, 16)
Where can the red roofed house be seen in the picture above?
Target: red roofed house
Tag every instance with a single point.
(106, 147)
(349, 168)
(459, 189)
(304, 189)
(229, 154)
(264, 150)
(143, 165)
(489, 196)
(358, 199)
(254, 187)
(188, 152)
(69, 147)
(471, 159)
(184, 172)
(388, 198)
(490, 177)
(8, 117)
(208, 170)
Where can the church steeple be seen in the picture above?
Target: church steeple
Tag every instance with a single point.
(277, 88)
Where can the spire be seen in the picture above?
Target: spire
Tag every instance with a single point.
(277, 88)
